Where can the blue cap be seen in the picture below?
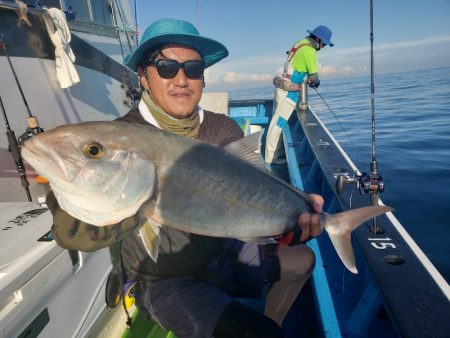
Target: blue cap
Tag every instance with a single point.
(176, 31)
(323, 33)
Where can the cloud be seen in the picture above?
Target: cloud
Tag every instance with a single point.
(246, 70)
(330, 70)
(356, 60)
(333, 62)
(233, 77)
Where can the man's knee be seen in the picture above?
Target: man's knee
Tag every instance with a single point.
(296, 262)
(309, 259)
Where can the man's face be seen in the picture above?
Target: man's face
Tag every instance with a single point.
(180, 95)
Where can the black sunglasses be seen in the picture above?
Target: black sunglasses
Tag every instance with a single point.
(168, 68)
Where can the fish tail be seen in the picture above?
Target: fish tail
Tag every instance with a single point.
(340, 226)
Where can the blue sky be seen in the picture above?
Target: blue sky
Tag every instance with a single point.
(408, 35)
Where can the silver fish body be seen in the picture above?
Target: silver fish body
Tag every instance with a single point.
(174, 181)
(220, 195)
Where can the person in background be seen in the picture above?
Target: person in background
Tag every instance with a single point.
(300, 66)
(192, 288)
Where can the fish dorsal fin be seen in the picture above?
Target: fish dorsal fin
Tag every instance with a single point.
(248, 150)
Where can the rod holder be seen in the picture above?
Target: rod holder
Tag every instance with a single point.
(304, 96)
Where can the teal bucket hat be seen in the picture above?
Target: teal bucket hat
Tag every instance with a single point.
(323, 33)
(176, 31)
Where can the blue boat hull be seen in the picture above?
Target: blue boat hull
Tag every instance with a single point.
(397, 292)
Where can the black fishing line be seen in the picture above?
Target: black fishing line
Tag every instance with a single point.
(337, 120)
(349, 138)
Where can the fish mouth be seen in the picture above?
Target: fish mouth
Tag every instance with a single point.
(43, 159)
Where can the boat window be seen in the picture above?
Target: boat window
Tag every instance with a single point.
(97, 11)
(102, 12)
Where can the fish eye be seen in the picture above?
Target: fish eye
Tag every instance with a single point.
(93, 150)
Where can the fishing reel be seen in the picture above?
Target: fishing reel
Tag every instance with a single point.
(134, 94)
(29, 133)
(366, 183)
(131, 94)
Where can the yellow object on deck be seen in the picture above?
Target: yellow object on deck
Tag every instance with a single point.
(143, 327)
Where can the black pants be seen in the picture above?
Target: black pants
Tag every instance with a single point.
(239, 320)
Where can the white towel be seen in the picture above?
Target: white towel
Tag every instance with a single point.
(64, 58)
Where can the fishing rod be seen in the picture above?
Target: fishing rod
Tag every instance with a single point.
(33, 124)
(3, 46)
(15, 151)
(377, 184)
(368, 183)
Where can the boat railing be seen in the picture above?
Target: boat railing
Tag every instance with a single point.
(257, 112)
(393, 278)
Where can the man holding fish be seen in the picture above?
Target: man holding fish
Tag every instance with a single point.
(170, 61)
(199, 213)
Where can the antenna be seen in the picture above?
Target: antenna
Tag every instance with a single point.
(136, 21)
(368, 183)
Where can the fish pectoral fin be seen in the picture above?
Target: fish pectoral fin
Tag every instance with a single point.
(344, 249)
(149, 233)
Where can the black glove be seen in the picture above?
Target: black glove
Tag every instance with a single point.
(315, 84)
(73, 234)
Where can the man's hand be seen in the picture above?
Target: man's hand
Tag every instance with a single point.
(314, 85)
(310, 223)
(285, 84)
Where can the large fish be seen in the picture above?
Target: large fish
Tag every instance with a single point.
(103, 172)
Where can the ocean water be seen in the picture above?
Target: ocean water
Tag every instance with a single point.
(412, 145)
